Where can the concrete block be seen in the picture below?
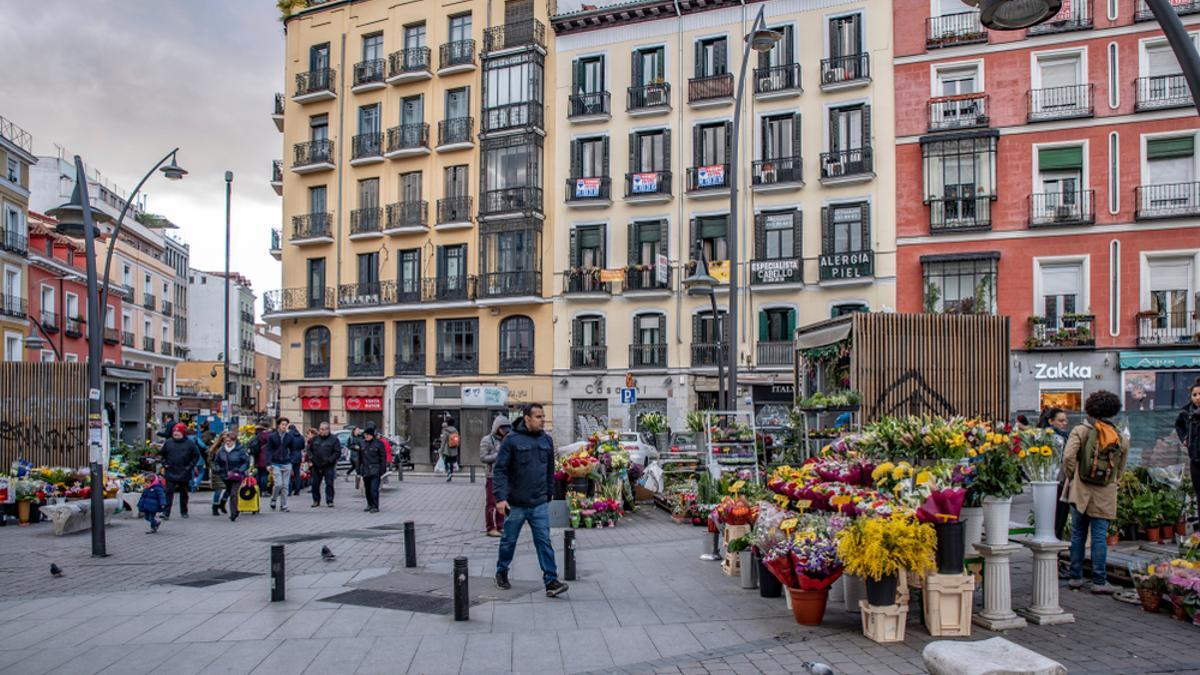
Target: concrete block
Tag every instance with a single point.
(76, 516)
(995, 656)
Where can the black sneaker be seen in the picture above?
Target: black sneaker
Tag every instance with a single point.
(183, 515)
(555, 588)
(165, 516)
(316, 504)
(330, 505)
(502, 581)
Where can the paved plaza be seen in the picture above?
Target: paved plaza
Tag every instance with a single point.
(644, 602)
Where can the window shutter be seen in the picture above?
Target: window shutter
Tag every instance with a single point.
(1168, 148)
(797, 129)
(720, 64)
(633, 245)
(696, 324)
(576, 160)
(866, 126)
(697, 134)
(666, 143)
(763, 326)
(728, 143)
(826, 231)
(662, 330)
(699, 71)
(1063, 159)
(760, 235)
(636, 72)
(789, 47)
(577, 76)
(604, 164)
(835, 45)
(865, 214)
(798, 240)
(634, 149)
(603, 241)
(835, 143)
(691, 243)
(663, 239)
(574, 244)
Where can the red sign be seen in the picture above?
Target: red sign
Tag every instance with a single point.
(307, 392)
(369, 403)
(314, 403)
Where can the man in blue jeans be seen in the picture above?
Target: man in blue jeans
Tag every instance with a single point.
(522, 482)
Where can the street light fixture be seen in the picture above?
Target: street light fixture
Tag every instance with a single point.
(698, 284)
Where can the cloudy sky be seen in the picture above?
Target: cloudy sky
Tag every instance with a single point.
(127, 80)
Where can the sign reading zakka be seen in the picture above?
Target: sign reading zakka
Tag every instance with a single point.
(710, 176)
(1061, 371)
(642, 183)
(587, 187)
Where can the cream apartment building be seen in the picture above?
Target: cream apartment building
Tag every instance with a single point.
(16, 158)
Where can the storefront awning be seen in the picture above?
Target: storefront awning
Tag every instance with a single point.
(1159, 359)
(821, 335)
(116, 373)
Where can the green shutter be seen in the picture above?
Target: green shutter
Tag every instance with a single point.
(648, 232)
(713, 228)
(763, 334)
(1060, 159)
(589, 237)
(791, 325)
(1167, 148)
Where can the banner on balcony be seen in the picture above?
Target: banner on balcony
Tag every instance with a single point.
(587, 187)
(644, 183)
(609, 276)
(662, 270)
(719, 269)
(775, 271)
(484, 397)
(710, 176)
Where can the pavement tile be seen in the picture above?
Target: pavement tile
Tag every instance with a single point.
(216, 627)
(291, 655)
(169, 631)
(387, 656)
(341, 656)
(439, 654)
(241, 657)
(487, 653)
(629, 645)
(259, 625)
(303, 624)
(673, 639)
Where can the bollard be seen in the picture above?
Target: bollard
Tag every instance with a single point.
(410, 544)
(277, 577)
(472, 473)
(569, 555)
(400, 472)
(462, 598)
(716, 548)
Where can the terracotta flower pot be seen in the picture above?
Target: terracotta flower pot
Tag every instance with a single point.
(808, 607)
(1168, 532)
(23, 511)
(1181, 528)
(1153, 533)
(1151, 599)
(1178, 611)
(1112, 539)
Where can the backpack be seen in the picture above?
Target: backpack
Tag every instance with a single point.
(1101, 455)
(453, 440)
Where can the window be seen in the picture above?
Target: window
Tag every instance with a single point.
(780, 137)
(1062, 290)
(372, 47)
(368, 119)
(1171, 160)
(366, 349)
(845, 36)
(650, 151)
(1060, 182)
(1171, 292)
(650, 329)
(776, 325)
(456, 181)
(649, 349)
(847, 308)
(849, 128)
(960, 284)
(705, 330)
(452, 265)
(959, 181)
(316, 199)
(649, 66)
(514, 166)
(458, 103)
(318, 57)
(410, 187)
(47, 304)
(14, 170)
(777, 235)
(511, 251)
(408, 274)
(127, 276)
(711, 57)
(516, 345)
(589, 157)
(588, 76)
(647, 239)
(410, 347)
(511, 80)
(588, 331)
(710, 143)
(72, 306)
(847, 229)
(12, 347)
(318, 128)
(784, 51)
(1059, 87)
(414, 36)
(10, 222)
(711, 231)
(460, 27)
(587, 247)
(110, 319)
(368, 193)
(368, 269)
(412, 112)
(457, 346)
(316, 283)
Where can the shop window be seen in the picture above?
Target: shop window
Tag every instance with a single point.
(1069, 399)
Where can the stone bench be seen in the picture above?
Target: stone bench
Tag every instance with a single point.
(995, 656)
(76, 516)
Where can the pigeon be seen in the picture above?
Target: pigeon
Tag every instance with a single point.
(55, 570)
(817, 668)
(327, 555)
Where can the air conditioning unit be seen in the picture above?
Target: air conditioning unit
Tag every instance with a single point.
(835, 75)
(422, 396)
(766, 83)
(834, 169)
(656, 96)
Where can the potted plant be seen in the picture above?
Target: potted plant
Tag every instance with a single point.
(25, 490)
(1150, 586)
(1114, 533)
(742, 548)
(1171, 509)
(1146, 513)
(997, 479)
(880, 549)
(817, 567)
(1038, 459)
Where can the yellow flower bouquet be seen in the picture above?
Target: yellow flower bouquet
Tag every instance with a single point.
(875, 548)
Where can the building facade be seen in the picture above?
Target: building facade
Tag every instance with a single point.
(644, 108)
(1091, 242)
(415, 216)
(206, 303)
(267, 350)
(16, 158)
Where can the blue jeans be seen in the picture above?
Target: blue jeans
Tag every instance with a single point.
(1080, 523)
(151, 518)
(539, 522)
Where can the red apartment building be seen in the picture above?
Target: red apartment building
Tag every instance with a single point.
(1051, 175)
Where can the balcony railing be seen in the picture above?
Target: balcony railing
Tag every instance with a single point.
(1163, 91)
(508, 200)
(645, 278)
(408, 61)
(367, 366)
(454, 210)
(312, 226)
(410, 364)
(166, 349)
(247, 317)
(961, 28)
(589, 357)
(316, 369)
(593, 189)
(654, 95)
(368, 72)
(959, 214)
(509, 284)
(516, 361)
(370, 294)
(1169, 200)
(277, 171)
(710, 88)
(112, 336)
(147, 343)
(1053, 333)
(1168, 329)
(298, 299)
(1057, 103)
(527, 114)
(148, 301)
(965, 111)
(777, 79)
(309, 153)
(646, 183)
(48, 321)
(1059, 208)
(73, 326)
(588, 104)
(707, 354)
(366, 145)
(366, 221)
(278, 104)
(715, 176)
(847, 162)
(168, 308)
(276, 239)
(584, 280)
(529, 32)
(776, 353)
(457, 130)
(457, 53)
(408, 214)
(843, 69)
(777, 170)
(1074, 15)
(127, 339)
(847, 265)
(408, 137)
(14, 241)
(449, 289)
(314, 81)
(648, 356)
(462, 363)
(1182, 7)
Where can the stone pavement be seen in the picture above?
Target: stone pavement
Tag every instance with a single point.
(644, 602)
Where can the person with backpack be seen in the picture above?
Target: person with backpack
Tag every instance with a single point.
(1187, 427)
(1092, 465)
(449, 447)
(258, 451)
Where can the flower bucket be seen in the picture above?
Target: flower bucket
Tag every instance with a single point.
(950, 547)
(996, 512)
(23, 512)
(972, 519)
(768, 585)
(749, 571)
(1045, 501)
(808, 607)
(882, 592)
(1153, 534)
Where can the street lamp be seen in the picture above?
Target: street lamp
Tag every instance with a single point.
(75, 219)
(226, 403)
(698, 284)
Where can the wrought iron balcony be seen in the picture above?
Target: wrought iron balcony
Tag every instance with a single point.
(455, 131)
(648, 184)
(843, 163)
(516, 361)
(1163, 91)
(1168, 329)
(454, 210)
(777, 79)
(847, 265)
(843, 70)
(965, 111)
(407, 214)
(298, 300)
(48, 321)
(1072, 16)
(1059, 103)
(1182, 7)
(449, 289)
(777, 171)
(315, 82)
(371, 294)
(148, 301)
(278, 104)
(14, 241)
(368, 72)
(509, 284)
(710, 88)
(715, 176)
(645, 278)
(588, 104)
(464, 363)
(1058, 208)
(647, 97)
(960, 214)
(526, 33)
(1169, 200)
(276, 239)
(707, 354)
(247, 317)
(112, 336)
(312, 226)
(408, 62)
(166, 349)
(960, 28)
(459, 53)
(408, 137)
(366, 146)
(168, 308)
(410, 364)
(581, 280)
(277, 175)
(511, 200)
(1055, 333)
(318, 369)
(127, 339)
(366, 221)
(775, 353)
(589, 357)
(147, 343)
(312, 153)
(648, 356)
(524, 115)
(593, 189)
(367, 366)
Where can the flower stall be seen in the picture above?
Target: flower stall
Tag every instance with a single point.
(27, 488)
(597, 481)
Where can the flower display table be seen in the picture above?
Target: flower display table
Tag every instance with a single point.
(997, 611)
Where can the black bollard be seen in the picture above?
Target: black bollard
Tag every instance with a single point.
(472, 473)
(400, 472)
(278, 590)
(569, 555)
(462, 598)
(410, 544)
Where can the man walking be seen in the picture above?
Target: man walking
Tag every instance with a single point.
(279, 449)
(180, 456)
(448, 447)
(372, 463)
(296, 446)
(324, 451)
(523, 482)
(489, 446)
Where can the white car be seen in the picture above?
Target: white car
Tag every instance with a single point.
(639, 451)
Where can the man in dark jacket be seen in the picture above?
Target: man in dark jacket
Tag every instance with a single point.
(1187, 427)
(279, 447)
(296, 445)
(372, 463)
(180, 456)
(324, 451)
(523, 482)
(354, 444)
(262, 457)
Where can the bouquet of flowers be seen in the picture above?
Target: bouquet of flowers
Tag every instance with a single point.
(735, 511)
(580, 464)
(1036, 453)
(767, 533)
(996, 465)
(873, 548)
(943, 497)
(817, 562)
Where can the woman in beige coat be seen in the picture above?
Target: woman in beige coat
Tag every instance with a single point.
(1092, 505)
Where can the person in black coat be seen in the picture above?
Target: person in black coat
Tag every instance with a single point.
(231, 463)
(280, 445)
(1187, 427)
(372, 463)
(296, 446)
(180, 456)
(324, 451)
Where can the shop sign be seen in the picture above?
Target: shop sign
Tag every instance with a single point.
(587, 187)
(643, 183)
(775, 271)
(484, 397)
(1061, 371)
(314, 403)
(609, 276)
(835, 266)
(366, 403)
(783, 392)
(710, 176)
(662, 270)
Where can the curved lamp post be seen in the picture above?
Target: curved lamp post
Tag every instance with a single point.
(76, 218)
(699, 284)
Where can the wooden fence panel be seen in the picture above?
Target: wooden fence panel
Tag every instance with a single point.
(43, 414)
